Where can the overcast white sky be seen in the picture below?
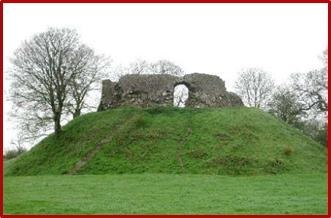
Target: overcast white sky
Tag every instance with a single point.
(219, 39)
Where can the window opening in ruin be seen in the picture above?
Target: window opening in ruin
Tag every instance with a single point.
(180, 95)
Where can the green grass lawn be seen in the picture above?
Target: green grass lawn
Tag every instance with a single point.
(166, 194)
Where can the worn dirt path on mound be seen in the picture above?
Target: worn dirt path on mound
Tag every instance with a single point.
(180, 149)
(82, 162)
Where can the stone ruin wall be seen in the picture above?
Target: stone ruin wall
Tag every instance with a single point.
(145, 90)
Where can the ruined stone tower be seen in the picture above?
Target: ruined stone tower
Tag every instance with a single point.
(145, 90)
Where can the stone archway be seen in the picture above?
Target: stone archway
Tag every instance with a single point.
(181, 94)
(148, 90)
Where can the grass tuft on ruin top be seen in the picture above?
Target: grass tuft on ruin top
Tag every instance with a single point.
(226, 141)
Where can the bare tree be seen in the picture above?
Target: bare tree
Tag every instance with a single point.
(94, 70)
(324, 59)
(138, 67)
(255, 87)
(158, 67)
(166, 67)
(43, 70)
(17, 148)
(311, 88)
(284, 105)
(31, 123)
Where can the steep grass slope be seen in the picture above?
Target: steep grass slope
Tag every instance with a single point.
(229, 141)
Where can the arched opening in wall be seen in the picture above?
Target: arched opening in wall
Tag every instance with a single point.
(181, 93)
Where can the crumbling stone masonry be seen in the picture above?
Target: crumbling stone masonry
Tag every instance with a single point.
(145, 90)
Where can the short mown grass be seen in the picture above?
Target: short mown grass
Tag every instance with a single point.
(166, 194)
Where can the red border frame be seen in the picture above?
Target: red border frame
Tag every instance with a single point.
(165, 1)
(328, 215)
(1, 109)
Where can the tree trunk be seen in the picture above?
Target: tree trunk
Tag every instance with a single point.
(57, 123)
(76, 113)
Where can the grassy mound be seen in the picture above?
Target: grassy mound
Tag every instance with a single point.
(228, 141)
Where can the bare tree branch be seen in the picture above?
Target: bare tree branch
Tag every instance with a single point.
(255, 87)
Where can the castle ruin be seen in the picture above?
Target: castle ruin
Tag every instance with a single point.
(148, 90)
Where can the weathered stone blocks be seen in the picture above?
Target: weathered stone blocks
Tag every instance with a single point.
(147, 90)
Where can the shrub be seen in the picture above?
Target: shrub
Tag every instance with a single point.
(322, 137)
(10, 154)
(140, 122)
(288, 150)
(275, 166)
(234, 165)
